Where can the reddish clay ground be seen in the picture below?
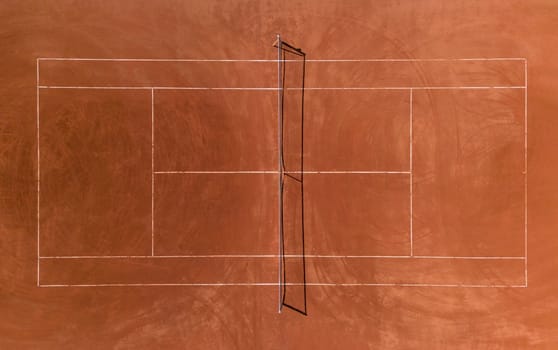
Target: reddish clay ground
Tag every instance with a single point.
(139, 252)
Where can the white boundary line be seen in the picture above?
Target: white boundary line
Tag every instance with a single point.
(348, 172)
(411, 169)
(272, 284)
(525, 172)
(152, 88)
(420, 59)
(275, 89)
(274, 60)
(280, 93)
(277, 172)
(38, 185)
(217, 256)
(216, 172)
(414, 88)
(152, 173)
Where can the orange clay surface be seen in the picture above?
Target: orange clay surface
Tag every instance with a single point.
(139, 199)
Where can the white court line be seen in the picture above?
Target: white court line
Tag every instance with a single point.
(364, 88)
(152, 174)
(346, 172)
(38, 186)
(272, 284)
(416, 285)
(217, 172)
(468, 257)
(275, 61)
(153, 87)
(275, 89)
(286, 172)
(411, 169)
(160, 256)
(525, 172)
(155, 59)
(280, 94)
(419, 59)
(413, 88)
(287, 256)
(160, 284)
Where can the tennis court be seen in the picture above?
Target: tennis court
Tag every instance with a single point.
(284, 189)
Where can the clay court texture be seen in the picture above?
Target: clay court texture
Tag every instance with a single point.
(170, 178)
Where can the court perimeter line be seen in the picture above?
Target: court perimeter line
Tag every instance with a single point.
(411, 168)
(413, 88)
(525, 173)
(38, 186)
(287, 256)
(153, 87)
(280, 94)
(152, 173)
(275, 89)
(277, 172)
(274, 60)
(217, 172)
(272, 284)
(347, 172)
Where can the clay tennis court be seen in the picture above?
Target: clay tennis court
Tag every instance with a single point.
(222, 175)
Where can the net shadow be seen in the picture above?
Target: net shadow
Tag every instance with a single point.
(292, 235)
